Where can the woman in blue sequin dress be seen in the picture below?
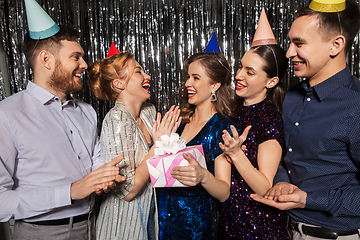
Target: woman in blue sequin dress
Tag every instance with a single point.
(259, 88)
(189, 212)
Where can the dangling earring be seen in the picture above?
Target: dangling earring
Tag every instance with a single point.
(213, 96)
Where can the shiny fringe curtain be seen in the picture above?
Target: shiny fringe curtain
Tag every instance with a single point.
(161, 34)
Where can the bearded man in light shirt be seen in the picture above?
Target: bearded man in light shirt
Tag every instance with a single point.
(49, 150)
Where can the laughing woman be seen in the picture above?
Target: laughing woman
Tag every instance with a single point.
(129, 129)
(190, 212)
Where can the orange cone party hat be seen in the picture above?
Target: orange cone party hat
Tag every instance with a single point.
(328, 6)
(263, 34)
(113, 50)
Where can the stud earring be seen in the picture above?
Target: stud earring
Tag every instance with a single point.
(213, 96)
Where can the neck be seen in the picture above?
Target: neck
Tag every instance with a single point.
(203, 113)
(133, 106)
(45, 85)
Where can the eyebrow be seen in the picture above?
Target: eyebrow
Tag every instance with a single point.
(138, 67)
(295, 39)
(78, 53)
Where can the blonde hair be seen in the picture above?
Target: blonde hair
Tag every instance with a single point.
(102, 73)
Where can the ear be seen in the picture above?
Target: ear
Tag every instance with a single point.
(338, 44)
(118, 85)
(216, 86)
(46, 59)
(272, 82)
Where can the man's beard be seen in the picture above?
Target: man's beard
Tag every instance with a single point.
(63, 81)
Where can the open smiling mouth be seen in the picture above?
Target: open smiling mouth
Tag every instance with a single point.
(191, 93)
(146, 86)
(240, 86)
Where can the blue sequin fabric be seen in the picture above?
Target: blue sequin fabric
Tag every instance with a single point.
(189, 212)
(241, 217)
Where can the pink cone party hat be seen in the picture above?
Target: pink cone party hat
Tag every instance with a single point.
(263, 34)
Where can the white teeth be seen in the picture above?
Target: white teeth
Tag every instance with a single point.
(78, 74)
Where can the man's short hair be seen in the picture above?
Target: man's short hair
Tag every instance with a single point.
(346, 22)
(31, 47)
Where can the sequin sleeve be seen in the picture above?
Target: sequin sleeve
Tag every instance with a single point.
(118, 137)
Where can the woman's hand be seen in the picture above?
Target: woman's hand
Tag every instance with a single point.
(190, 175)
(168, 124)
(232, 146)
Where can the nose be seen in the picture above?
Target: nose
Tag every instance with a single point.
(291, 51)
(83, 64)
(146, 76)
(239, 74)
(188, 82)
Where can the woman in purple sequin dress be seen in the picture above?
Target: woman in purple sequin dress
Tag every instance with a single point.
(253, 168)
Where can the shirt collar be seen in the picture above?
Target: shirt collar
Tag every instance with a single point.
(328, 86)
(45, 96)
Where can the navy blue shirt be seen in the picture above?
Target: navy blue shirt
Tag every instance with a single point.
(322, 133)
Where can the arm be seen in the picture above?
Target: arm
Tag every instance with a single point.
(167, 125)
(218, 187)
(295, 199)
(268, 158)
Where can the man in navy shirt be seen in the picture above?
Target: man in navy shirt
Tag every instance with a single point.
(319, 178)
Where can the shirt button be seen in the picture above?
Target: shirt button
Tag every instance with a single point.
(296, 124)
(70, 131)
(290, 149)
(308, 99)
(79, 157)
(289, 171)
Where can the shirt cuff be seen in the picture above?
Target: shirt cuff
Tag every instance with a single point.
(317, 201)
(62, 195)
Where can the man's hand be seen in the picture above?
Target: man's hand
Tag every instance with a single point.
(283, 196)
(99, 180)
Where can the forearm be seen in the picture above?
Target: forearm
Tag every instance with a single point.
(219, 189)
(141, 177)
(27, 203)
(338, 202)
(256, 180)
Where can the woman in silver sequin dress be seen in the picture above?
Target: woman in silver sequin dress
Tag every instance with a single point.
(129, 129)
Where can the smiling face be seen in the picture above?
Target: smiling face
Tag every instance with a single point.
(137, 87)
(69, 66)
(309, 51)
(251, 79)
(198, 84)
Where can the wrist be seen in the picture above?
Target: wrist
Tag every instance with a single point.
(204, 176)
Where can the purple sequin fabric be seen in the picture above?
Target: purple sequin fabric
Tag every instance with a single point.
(241, 217)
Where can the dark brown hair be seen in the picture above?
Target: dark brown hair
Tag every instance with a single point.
(216, 67)
(102, 73)
(275, 65)
(346, 22)
(31, 47)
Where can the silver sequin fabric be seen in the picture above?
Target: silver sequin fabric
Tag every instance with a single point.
(119, 219)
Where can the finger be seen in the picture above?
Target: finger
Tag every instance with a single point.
(245, 133)
(177, 124)
(98, 191)
(226, 138)
(190, 159)
(115, 161)
(119, 178)
(234, 132)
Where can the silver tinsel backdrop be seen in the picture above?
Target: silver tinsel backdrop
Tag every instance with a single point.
(161, 34)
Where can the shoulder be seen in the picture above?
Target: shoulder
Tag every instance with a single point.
(14, 106)
(118, 113)
(223, 122)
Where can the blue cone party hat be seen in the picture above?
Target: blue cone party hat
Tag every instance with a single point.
(40, 24)
(213, 45)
